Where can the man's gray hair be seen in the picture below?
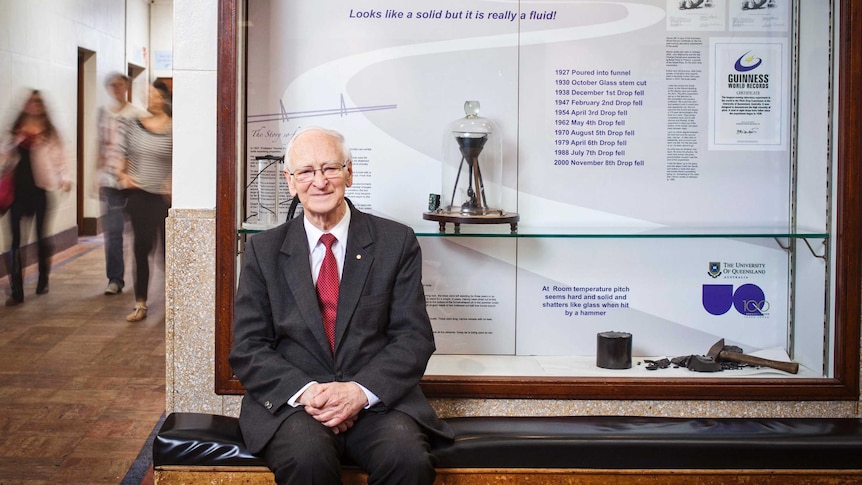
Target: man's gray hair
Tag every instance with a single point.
(345, 149)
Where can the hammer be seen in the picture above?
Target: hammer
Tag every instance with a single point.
(718, 353)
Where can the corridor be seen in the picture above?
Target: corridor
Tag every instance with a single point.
(81, 390)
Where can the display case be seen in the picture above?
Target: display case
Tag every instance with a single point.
(745, 231)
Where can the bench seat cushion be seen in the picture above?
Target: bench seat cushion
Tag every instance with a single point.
(616, 442)
(598, 442)
(197, 439)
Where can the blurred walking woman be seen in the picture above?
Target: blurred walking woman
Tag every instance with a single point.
(146, 176)
(34, 152)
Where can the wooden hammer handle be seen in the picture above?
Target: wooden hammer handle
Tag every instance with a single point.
(791, 367)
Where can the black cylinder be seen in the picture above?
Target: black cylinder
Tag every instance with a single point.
(614, 350)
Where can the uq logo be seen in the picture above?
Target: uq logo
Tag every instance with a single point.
(748, 299)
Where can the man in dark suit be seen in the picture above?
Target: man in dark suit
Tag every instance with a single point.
(312, 397)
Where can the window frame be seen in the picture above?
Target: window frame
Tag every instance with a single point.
(847, 265)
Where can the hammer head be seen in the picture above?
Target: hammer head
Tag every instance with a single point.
(720, 352)
(716, 349)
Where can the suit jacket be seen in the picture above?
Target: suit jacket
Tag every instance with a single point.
(383, 336)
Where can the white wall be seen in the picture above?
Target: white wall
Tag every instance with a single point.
(161, 38)
(137, 31)
(137, 46)
(195, 56)
(39, 41)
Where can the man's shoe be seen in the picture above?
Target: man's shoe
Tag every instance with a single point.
(42, 287)
(113, 288)
(138, 314)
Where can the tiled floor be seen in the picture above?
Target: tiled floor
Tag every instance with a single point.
(80, 388)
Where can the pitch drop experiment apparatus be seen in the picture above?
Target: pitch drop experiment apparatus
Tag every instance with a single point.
(472, 174)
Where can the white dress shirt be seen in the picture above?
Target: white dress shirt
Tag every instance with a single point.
(316, 253)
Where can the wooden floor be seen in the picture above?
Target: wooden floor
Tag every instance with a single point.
(80, 388)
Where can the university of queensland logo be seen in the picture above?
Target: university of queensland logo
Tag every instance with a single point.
(748, 299)
(714, 269)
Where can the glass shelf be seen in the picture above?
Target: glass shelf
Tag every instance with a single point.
(526, 231)
(585, 366)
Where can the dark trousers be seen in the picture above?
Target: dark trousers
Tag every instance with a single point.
(32, 204)
(113, 224)
(147, 212)
(390, 446)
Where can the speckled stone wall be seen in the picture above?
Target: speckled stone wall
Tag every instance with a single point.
(190, 312)
(190, 351)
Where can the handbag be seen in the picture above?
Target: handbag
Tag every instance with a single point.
(7, 191)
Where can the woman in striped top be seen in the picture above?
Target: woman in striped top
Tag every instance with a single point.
(146, 177)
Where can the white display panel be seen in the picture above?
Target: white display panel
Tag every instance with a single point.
(676, 297)
(470, 293)
(613, 114)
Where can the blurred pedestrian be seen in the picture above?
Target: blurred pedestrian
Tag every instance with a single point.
(146, 177)
(109, 164)
(34, 152)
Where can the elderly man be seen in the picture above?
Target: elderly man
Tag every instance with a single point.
(331, 335)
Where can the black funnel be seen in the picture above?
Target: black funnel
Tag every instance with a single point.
(471, 146)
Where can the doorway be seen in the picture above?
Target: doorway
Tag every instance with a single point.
(87, 226)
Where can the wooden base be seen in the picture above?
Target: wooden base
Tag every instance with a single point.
(457, 219)
(168, 475)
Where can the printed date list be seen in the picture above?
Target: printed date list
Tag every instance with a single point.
(592, 109)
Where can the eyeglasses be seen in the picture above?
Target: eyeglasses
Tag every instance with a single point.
(331, 170)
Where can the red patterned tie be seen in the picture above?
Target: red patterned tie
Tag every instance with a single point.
(327, 289)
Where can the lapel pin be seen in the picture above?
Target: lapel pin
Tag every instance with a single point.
(358, 256)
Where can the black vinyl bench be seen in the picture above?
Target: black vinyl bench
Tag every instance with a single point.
(191, 447)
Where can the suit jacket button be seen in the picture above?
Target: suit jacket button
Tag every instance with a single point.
(267, 405)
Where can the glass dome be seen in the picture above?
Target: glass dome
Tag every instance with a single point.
(472, 173)
(472, 166)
